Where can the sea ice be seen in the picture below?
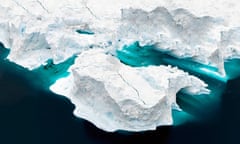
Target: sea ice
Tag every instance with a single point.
(115, 96)
(106, 92)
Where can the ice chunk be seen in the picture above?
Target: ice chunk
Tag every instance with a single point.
(114, 96)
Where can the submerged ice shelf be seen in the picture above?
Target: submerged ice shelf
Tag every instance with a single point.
(74, 45)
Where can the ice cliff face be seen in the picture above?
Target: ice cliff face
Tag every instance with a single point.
(99, 85)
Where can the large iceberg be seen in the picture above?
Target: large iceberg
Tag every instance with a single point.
(117, 97)
(106, 91)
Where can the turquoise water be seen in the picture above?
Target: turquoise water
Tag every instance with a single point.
(3, 51)
(87, 32)
(232, 68)
(135, 55)
(51, 72)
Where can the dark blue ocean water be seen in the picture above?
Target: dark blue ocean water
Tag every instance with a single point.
(30, 114)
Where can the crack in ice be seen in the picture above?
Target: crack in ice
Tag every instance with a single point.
(22, 7)
(137, 92)
(43, 7)
(90, 11)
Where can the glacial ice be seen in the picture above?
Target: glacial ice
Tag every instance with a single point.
(122, 97)
(106, 92)
(43, 30)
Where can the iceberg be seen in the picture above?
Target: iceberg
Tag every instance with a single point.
(115, 96)
(123, 62)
